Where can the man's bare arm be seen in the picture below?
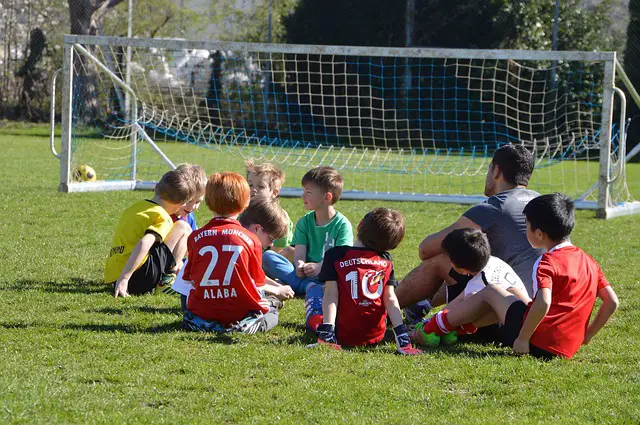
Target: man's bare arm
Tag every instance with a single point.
(430, 246)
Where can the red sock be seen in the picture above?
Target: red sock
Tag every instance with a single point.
(438, 324)
(466, 329)
(314, 321)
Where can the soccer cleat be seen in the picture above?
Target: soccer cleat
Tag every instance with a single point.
(418, 336)
(327, 336)
(449, 339)
(331, 345)
(164, 286)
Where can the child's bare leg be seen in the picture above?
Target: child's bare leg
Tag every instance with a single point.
(491, 318)
(177, 241)
(491, 299)
(424, 281)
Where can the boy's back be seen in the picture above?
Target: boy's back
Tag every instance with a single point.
(574, 279)
(143, 217)
(361, 274)
(225, 264)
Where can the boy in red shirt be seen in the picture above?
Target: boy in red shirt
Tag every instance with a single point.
(359, 286)
(225, 265)
(566, 282)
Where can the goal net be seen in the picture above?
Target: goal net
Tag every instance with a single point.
(399, 124)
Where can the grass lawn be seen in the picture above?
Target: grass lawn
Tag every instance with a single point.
(73, 354)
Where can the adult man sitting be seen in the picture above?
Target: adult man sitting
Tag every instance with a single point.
(500, 217)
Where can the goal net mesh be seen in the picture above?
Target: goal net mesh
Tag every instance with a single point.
(389, 124)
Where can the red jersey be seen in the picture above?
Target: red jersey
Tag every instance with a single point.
(361, 275)
(574, 279)
(225, 267)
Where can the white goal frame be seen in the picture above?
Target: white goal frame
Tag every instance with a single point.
(608, 172)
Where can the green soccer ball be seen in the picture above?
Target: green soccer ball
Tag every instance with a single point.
(85, 173)
(449, 339)
(431, 340)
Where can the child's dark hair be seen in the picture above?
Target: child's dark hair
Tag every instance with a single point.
(467, 248)
(176, 186)
(554, 214)
(382, 229)
(515, 162)
(326, 178)
(267, 213)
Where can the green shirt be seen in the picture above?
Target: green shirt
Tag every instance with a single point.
(319, 239)
(286, 240)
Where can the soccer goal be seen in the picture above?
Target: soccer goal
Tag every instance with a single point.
(415, 124)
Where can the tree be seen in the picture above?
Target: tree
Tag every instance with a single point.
(87, 15)
(394, 84)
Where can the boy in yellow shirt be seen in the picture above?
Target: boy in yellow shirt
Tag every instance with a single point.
(147, 244)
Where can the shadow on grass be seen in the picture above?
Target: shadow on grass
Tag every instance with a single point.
(164, 328)
(124, 328)
(15, 325)
(76, 286)
(118, 311)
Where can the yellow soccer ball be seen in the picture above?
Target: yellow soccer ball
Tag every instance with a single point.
(84, 173)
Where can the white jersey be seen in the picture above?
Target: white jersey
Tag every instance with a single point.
(496, 272)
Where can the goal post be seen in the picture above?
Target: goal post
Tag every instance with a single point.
(414, 124)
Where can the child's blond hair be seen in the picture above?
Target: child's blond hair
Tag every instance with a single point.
(267, 171)
(197, 175)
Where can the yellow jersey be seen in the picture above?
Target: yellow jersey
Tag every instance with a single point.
(139, 219)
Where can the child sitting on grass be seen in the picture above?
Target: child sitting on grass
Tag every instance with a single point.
(317, 232)
(266, 180)
(566, 282)
(359, 286)
(187, 211)
(225, 264)
(147, 245)
(267, 220)
(469, 252)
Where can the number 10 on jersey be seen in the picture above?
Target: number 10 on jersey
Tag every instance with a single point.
(371, 285)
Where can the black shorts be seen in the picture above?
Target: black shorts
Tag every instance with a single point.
(147, 277)
(458, 288)
(511, 330)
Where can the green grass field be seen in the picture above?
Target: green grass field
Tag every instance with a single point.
(73, 354)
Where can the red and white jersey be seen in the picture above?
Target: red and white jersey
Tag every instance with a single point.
(574, 279)
(225, 266)
(362, 275)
